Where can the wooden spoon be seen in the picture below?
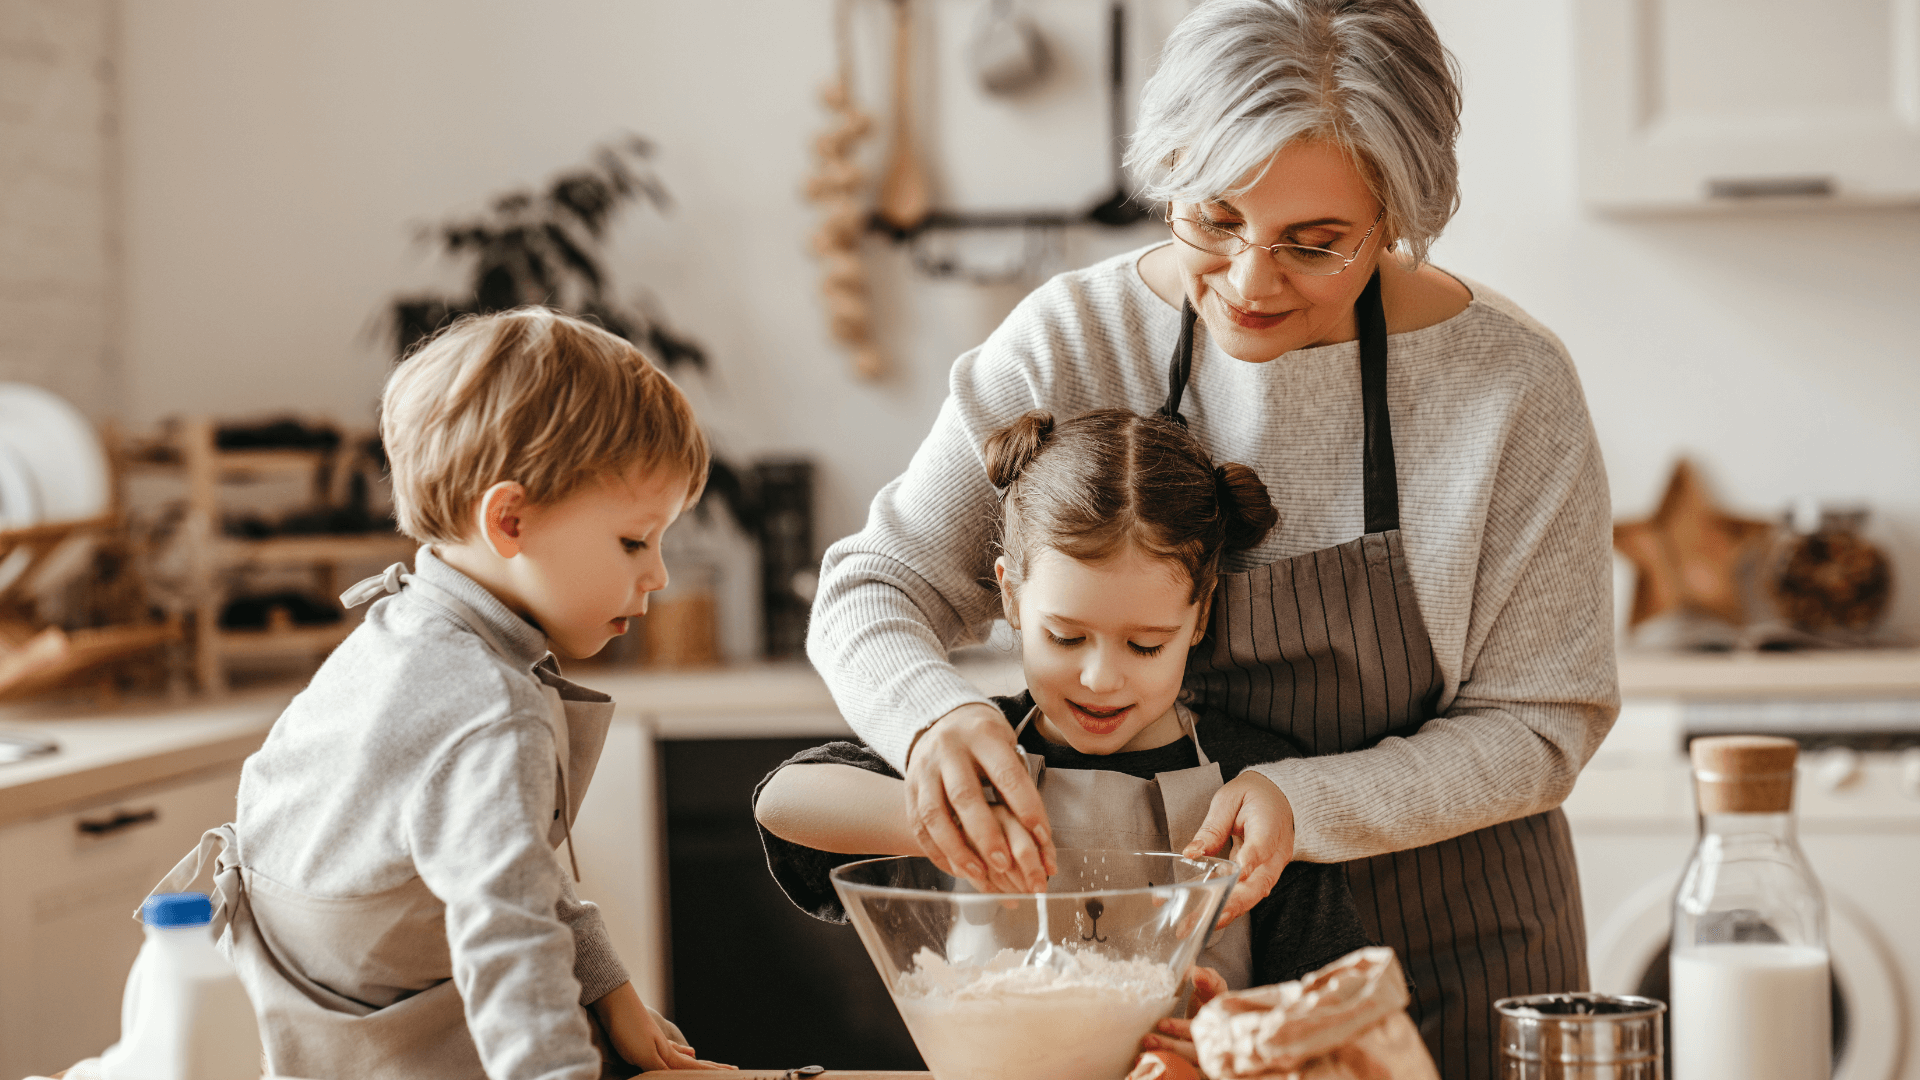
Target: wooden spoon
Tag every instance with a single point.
(905, 199)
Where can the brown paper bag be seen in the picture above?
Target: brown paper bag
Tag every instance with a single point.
(1347, 1021)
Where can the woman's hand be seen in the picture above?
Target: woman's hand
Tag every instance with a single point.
(947, 806)
(638, 1040)
(1255, 815)
(1173, 1038)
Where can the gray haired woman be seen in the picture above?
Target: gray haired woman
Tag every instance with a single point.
(1429, 622)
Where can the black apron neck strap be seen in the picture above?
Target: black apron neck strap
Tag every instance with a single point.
(1380, 480)
(1181, 366)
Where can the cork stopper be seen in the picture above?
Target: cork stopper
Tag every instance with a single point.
(1744, 774)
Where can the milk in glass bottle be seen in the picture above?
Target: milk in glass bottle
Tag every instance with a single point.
(1750, 979)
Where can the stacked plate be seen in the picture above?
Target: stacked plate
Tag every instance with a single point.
(52, 466)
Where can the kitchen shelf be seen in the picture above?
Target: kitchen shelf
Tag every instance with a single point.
(233, 464)
(319, 548)
(249, 464)
(282, 642)
(194, 451)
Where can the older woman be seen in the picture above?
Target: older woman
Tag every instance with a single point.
(1430, 619)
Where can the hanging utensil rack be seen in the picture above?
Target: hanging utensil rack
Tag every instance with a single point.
(1119, 210)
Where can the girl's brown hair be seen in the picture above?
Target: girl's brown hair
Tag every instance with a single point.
(1090, 485)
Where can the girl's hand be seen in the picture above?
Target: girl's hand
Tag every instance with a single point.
(947, 805)
(1170, 1044)
(1255, 815)
(638, 1040)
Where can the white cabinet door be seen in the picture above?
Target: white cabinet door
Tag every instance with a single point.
(67, 932)
(617, 838)
(619, 835)
(1703, 103)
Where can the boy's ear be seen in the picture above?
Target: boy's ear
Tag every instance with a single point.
(501, 509)
(1007, 606)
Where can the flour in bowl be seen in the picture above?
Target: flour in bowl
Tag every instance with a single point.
(1003, 1021)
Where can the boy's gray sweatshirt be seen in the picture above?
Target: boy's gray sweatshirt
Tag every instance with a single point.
(417, 750)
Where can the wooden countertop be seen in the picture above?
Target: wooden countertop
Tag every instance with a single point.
(104, 751)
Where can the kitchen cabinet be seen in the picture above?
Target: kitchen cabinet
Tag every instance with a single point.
(67, 932)
(1857, 802)
(621, 832)
(668, 850)
(1711, 104)
(85, 832)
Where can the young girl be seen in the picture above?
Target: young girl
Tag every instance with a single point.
(1113, 530)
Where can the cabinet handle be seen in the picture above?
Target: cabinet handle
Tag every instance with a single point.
(122, 819)
(1769, 187)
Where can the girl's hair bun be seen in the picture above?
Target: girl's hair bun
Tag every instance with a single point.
(1246, 510)
(1011, 449)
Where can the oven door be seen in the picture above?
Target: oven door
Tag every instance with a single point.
(1629, 956)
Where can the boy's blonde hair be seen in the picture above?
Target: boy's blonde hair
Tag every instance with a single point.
(529, 395)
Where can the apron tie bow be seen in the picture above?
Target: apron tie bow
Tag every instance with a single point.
(378, 585)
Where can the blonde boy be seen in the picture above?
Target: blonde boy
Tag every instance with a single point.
(398, 906)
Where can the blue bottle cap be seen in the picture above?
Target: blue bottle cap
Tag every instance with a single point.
(177, 909)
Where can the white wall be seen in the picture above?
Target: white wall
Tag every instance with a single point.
(279, 155)
(1714, 337)
(57, 199)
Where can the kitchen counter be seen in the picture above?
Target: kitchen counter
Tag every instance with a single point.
(1810, 674)
(131, 746)
(765, 700)
(144, 743)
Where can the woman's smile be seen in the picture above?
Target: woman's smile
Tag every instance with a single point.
(1252, 320)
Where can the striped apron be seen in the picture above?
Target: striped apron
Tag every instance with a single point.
(1329, 648)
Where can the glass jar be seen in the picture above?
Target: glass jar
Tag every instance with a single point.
(1750, 973)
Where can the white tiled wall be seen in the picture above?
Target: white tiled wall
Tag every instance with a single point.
(57, 193)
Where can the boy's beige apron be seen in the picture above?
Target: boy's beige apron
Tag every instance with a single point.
(1101, 808)
(360, 988)
(1329, 649)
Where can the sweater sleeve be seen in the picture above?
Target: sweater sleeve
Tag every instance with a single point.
(595, 962)
(898, 596)
(478, 832)
(1537, 687)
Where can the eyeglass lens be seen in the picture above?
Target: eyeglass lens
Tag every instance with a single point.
(1310, 261)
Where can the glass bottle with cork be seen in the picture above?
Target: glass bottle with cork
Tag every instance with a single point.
(1750, 972)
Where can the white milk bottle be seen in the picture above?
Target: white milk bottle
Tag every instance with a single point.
(1750, 978)
(185, 1015)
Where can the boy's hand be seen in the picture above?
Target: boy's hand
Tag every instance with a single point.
(638, 1040)
(1252, 812)
(1172, 1039)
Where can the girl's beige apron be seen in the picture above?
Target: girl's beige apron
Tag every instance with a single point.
(1329, 649)
(1100, 808)
(359, 988)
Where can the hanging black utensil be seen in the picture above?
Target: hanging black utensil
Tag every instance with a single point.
(1120, 208)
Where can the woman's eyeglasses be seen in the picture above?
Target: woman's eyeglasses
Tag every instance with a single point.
(1293, 258)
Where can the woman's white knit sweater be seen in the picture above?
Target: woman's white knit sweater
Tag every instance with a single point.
(1504, 516)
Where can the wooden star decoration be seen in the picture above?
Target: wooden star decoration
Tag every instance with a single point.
(1687, 556)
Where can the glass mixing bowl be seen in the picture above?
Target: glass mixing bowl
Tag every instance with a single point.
(988, 996)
